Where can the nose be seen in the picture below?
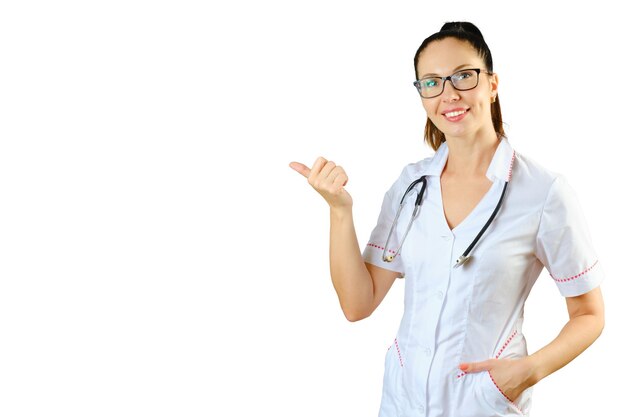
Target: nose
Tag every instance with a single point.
(449, 92)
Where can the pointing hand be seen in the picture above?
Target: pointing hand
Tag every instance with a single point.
(327, 179)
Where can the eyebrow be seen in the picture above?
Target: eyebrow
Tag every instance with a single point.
(453, 71)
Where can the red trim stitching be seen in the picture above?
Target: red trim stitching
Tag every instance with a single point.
(575, 276)
(499, 351)
(511, 167)
(502, 392)
(380, 247)
(504, 346)
(506, 343)
(494, 383)
(398, 348)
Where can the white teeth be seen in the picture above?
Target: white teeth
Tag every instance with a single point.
(454, 113)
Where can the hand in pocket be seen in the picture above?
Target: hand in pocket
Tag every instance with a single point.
(511, 376)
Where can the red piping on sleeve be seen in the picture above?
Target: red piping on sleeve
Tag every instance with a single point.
(380, 247)
(575, 276)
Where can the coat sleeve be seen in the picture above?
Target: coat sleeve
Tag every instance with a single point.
(373, 251)
(563, 243)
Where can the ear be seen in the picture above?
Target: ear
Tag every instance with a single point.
(493, 85)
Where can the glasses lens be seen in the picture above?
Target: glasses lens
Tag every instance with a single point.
(465, 79)
(429, 87)
(461, 80)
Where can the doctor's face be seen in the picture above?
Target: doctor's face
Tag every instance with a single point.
(457, 113)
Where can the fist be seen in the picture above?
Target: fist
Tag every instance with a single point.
(328, 179)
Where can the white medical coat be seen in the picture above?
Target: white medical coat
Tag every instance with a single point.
(475, 312)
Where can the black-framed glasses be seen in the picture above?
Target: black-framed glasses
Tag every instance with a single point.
(462, 80)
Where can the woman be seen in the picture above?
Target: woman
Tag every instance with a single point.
(459, 350)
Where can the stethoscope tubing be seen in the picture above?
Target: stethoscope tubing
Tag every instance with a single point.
(463, 258)
(418, 202)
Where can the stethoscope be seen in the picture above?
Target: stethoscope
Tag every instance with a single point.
(418, 202)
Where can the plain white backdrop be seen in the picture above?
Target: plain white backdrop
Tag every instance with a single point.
(158, 257)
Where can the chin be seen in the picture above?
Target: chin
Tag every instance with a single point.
(457, 133)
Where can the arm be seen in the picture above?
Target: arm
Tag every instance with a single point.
(512, 376)
(359, 286)
(563, 245)
(586, 322)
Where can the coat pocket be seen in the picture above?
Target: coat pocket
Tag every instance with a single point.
(394, 391)
(492, 397)
(395, 347)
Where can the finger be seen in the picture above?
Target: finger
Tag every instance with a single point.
(337, 170)
(340, 180)
(476, 366)
(327, 170)
(344, 175)
(317, 166)
(301, 168)
(333, 175)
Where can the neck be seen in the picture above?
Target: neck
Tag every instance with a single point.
(470, 157)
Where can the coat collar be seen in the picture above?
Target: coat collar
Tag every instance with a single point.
(501, 165)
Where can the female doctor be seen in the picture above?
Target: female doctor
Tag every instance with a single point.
(478, 223)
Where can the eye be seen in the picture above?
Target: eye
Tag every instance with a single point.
(462, 75)
(430, 83)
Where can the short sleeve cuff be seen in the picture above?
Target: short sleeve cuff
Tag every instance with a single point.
(581, 282)
(373, 254)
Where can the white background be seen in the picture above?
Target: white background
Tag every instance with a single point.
(158, 257)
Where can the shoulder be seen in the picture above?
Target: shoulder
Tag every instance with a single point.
(414, 170)
(532, 171)
(530, 168)
(532, 175)
(410, 172)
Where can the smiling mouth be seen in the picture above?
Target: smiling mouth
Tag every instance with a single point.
(455, 113)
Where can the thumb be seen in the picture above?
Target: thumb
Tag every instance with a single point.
(301, 168)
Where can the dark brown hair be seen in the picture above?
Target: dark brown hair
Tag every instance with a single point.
(464, 31)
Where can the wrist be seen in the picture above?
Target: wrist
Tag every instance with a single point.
(340, 213)
(535, 373)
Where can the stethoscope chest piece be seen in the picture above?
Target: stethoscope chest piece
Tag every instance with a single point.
(418, 203)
